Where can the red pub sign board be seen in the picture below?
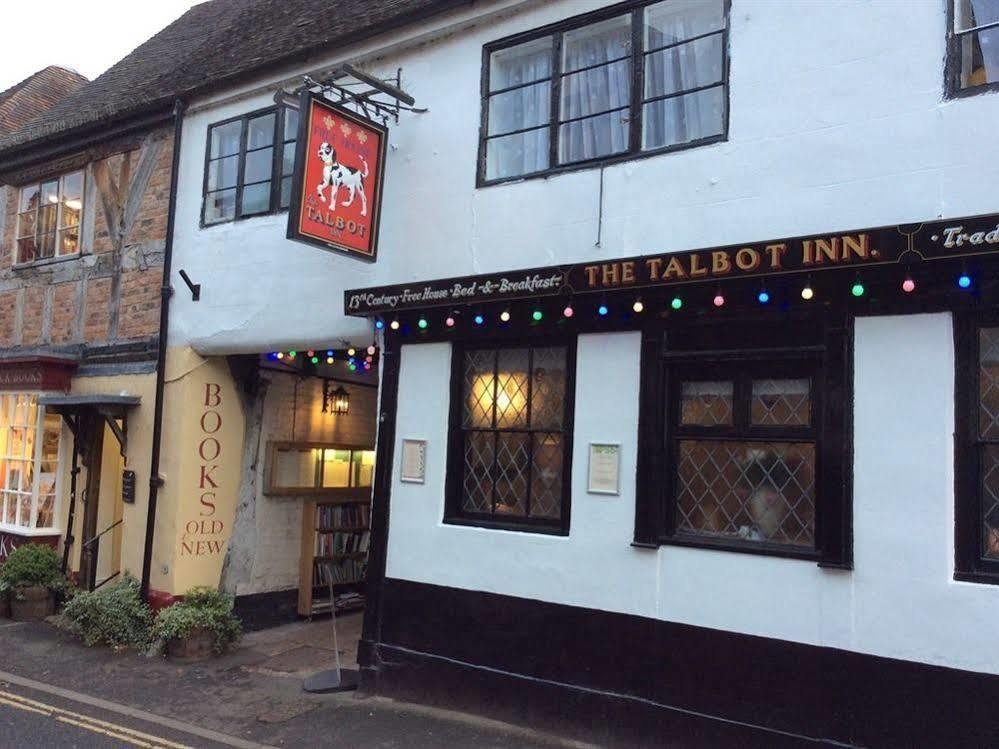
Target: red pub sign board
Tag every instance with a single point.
(337, 186)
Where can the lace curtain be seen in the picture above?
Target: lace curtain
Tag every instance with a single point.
(987, 11)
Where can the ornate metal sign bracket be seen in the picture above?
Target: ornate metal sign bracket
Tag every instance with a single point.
(372, 97)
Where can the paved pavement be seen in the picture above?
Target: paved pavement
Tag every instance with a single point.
(53, 692)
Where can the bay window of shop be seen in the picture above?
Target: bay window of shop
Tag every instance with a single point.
(511, 437)
(634, 79)
(744, 442)
(977, 443)
(29, 460)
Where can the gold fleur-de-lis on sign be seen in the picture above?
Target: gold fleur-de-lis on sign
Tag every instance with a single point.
(346, 130)
(328, 121)
(362, 137)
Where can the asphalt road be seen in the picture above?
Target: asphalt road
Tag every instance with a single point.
(29, 718)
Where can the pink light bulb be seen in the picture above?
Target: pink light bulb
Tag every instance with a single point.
(568, 312)
(908, 285)
(449, 322)
(719, 300)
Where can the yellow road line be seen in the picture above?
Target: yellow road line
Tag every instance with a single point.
(19, 706)
(146, 717)
(17, 700)
(105, 732)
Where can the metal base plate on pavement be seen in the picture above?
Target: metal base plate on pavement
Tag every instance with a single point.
(333, 680)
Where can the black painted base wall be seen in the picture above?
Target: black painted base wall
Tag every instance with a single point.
(263, 610)
(624, 679)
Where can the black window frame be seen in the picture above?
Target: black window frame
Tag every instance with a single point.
(277, 162)
(454, 513)
(970, 564)
(637, 100)
(952, 65)
(825, 356)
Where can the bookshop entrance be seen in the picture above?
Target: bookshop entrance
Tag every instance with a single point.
(317, 447)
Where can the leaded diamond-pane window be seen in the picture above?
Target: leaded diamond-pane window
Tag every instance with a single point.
(706, 404)
(781, 402)
(988, 433)
(756, 491)
(745, 455)
(512, 430)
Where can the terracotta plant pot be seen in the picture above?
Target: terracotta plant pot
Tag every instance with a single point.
(197, 646)
(32, 604)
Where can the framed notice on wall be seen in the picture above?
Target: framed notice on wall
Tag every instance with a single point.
(604, 475)
(336, 193)
(414, 461)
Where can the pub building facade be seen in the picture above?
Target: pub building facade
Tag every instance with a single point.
(682, 331)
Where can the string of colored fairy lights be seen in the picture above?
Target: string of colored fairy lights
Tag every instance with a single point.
(638, 305)
(355, 360)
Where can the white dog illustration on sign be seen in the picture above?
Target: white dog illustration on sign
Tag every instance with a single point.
(336, 174)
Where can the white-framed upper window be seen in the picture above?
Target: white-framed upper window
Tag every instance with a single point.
(973, 57)
(29, 463)
(638, 78)
(49, 217)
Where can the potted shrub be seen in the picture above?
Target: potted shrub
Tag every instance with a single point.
(33, 576)
(114, 615)
(4, 600)
(200, 625)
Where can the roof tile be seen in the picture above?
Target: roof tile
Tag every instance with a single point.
(212, 44)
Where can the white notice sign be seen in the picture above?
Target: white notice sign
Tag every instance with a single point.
(414, 461)
(605, 462)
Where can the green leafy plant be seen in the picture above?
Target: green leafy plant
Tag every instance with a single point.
(203, 608)
(112, 615)
(32, 565)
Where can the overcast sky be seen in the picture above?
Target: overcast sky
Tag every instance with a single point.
(88, 36)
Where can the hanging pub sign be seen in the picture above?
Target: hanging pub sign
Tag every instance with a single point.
(908, 243)
(337, 184)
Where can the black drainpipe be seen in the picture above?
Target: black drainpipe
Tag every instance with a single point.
(165, 293)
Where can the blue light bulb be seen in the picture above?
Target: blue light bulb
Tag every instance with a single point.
(964, 281)
(602, 310)
(763, 297)
(379, 324)
(479, 320)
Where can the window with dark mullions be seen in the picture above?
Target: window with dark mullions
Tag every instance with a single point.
(744, 450)
(511, 437)
(973, 47)
(977, 469)
(249, 162)
(744, 437)
(637, 78)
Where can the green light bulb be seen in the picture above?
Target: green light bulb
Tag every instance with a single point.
(858, 289)
(537, 315)
(676, 303)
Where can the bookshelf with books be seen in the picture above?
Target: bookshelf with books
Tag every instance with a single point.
(335, 538)
(336, 518)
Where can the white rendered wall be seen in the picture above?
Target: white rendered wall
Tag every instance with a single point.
(900, 600)
(837, 121)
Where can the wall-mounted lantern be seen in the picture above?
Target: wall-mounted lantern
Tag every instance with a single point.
(335, 401)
